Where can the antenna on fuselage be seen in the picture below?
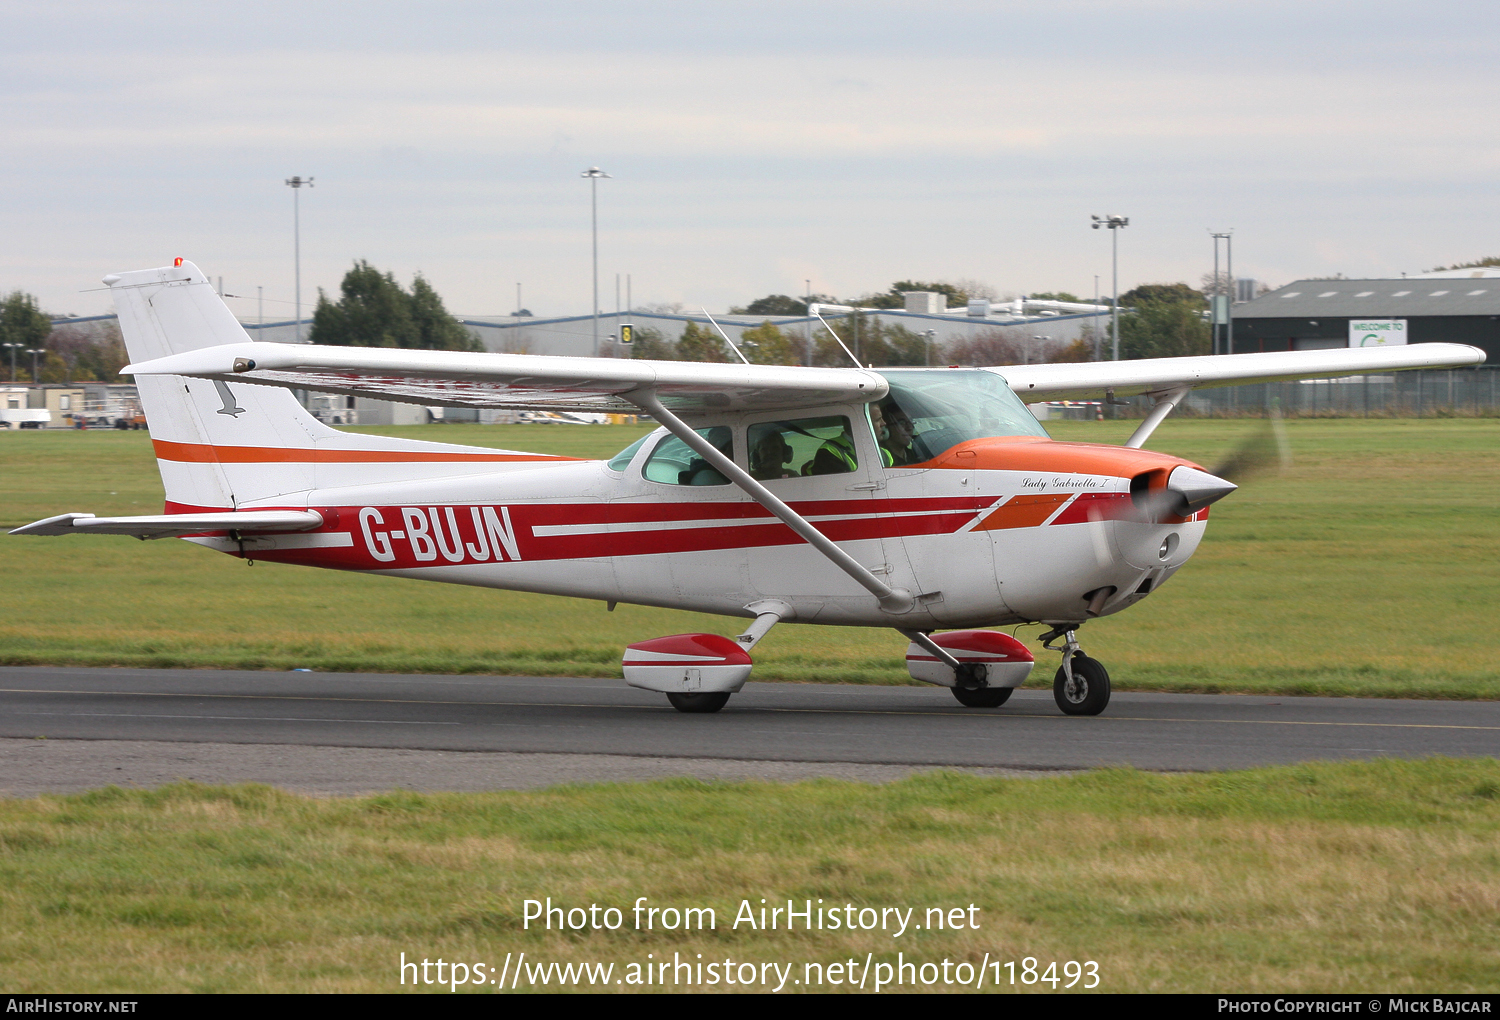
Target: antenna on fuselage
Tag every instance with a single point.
(814, 310)
(728, 341)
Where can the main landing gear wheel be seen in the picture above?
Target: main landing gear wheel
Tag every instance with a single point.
(1088, 693)
(710, 702)
(982, 697)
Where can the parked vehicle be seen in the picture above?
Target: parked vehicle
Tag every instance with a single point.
(25, 417)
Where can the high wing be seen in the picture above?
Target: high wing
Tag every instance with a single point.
(1091, 380)
(532, 382)
(176, 525)
(519, 381)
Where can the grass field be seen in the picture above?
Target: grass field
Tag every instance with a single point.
(1362, 877)
(1368, 568)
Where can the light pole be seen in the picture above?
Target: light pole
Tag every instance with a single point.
(13, 349)
(593, 173)
(930, 336)
(296, 183)
(1114, 223)
(1098, 340)
(35, 352)
(1227, 284)
(1026, 355)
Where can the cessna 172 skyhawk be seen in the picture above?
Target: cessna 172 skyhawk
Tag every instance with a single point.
(923, 500)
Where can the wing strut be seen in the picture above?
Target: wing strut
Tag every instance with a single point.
(1165, 402)
(892, 600)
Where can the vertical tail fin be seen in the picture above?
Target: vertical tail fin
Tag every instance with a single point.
(202, 429)
(222, 444)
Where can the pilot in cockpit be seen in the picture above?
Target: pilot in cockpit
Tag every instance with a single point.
(894, 433)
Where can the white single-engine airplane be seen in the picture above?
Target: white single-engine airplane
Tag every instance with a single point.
(916, 499)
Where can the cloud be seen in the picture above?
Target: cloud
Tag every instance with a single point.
(853, 142)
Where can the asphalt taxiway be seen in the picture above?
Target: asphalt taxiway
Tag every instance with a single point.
(343, 732)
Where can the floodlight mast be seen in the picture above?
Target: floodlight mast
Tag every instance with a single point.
(1098, 341)
(13, 348)
(1227, 283)
(296, 184)
(1114, 223)
(593, 174)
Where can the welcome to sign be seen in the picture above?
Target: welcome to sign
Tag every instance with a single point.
(1376, 332)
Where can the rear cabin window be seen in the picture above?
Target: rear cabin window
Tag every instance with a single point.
(800, 447)
(675, 463)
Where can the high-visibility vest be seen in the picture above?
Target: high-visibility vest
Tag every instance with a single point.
(842, 447)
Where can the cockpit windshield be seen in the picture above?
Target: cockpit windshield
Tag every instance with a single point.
(945, 407)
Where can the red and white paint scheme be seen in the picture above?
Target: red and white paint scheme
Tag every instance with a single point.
(687, 664)
(921, 500)
(1007, 661)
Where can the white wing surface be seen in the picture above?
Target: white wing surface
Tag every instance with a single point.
(1091, 380)
(518, 381)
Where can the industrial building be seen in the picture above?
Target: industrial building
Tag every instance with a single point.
(1054, 323)
(1451, 307)
(68, 405)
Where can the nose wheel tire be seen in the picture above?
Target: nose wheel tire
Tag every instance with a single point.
(699, 702)
(983, 697)
(1088, 694)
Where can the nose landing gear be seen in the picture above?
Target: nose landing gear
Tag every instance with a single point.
(1081, 686)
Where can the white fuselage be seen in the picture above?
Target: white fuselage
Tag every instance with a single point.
(992, 532)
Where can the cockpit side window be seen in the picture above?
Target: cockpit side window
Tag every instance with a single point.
(676, 463)
(944, 407)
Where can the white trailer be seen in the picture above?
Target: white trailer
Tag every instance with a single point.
(25, 417)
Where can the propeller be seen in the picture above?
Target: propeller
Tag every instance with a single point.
(1264, 452)
(1189, 490)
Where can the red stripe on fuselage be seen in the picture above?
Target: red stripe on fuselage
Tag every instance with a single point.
(1097, 506)
(721, 529)
(625, 528)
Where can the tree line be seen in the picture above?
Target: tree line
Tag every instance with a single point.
(71, 352)
(1159, 320)
(374, 310)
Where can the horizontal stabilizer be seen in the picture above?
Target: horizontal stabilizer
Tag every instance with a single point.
(173, 525)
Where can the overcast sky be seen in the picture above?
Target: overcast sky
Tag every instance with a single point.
(752, 146)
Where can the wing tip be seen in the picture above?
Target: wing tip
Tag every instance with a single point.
(62, 524)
